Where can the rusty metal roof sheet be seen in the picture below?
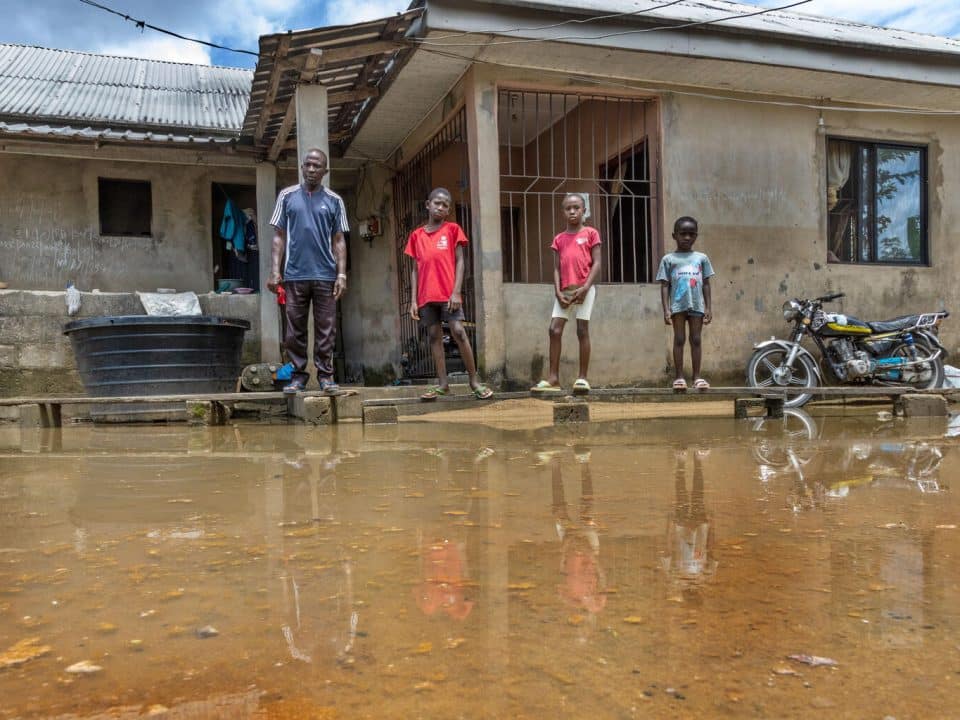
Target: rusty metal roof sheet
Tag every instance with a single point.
(355, 62)
(60, 87)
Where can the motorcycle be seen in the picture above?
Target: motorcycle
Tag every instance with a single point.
(902, 351)
(795, 447)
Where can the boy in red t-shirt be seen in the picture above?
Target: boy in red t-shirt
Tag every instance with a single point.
(576, 265)
(436, 278)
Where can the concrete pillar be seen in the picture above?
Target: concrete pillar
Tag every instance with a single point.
(269, 315)
(484, 147)
(312, 131)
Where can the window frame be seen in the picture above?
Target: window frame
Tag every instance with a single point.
(874, 145)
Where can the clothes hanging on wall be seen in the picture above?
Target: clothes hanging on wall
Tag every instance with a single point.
(233, 227)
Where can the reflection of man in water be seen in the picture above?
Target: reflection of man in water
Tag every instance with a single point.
(584, 581)
(690, 541)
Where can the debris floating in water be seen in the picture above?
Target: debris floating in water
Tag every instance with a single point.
(84, 667)
(813, 660)
(21, 652)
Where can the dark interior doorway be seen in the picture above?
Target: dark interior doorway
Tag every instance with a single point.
(228, 264)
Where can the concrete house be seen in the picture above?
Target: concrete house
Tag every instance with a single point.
(113, 176)
(817, 155)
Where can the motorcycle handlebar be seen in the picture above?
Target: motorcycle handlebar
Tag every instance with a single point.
(831, 296)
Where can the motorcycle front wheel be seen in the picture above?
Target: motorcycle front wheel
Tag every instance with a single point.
(767, 370)
(927, 376)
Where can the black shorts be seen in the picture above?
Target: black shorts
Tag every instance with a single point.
(436, 312)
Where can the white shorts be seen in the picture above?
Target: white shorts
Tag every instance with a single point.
(581, 311)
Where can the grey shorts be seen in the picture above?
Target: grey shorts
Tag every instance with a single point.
(436, 312)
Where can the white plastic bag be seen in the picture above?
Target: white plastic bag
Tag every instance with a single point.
(73, 300)
(951, 376)
(176, 304)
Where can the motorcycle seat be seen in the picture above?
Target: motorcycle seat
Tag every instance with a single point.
(899, 323)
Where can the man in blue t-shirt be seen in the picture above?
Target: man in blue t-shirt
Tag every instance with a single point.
(309, 222)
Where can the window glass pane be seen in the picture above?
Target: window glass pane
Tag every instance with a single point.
(898, 205)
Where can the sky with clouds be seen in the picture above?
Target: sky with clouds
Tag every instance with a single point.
(71, 24)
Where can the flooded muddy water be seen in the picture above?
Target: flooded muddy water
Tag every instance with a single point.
(663, 568)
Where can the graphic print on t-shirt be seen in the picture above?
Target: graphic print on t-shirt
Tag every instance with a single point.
(685, 272)
(686, 278)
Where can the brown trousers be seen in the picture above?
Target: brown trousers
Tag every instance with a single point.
(300, 294)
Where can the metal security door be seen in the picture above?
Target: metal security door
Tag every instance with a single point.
(446, 150)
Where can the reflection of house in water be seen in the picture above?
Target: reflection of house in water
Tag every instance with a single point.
(906, 585)
(509, 120)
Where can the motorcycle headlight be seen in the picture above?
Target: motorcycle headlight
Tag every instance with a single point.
(791, 310)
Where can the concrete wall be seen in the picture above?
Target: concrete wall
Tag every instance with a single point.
(36, 357)
(756, 180)
(755, 177)
(369, 309)
(50, 228)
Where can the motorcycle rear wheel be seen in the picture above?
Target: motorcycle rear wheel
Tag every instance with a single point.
(767, 371)
(933, 372)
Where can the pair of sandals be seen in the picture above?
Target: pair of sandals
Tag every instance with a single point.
(480, 392)
(680, 384)
(580, 387)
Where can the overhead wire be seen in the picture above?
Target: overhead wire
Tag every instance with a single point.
(589, 79)
(637, 31)
(144, 24)
(577, 21)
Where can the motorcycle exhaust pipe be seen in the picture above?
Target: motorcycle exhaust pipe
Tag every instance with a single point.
(901, 363)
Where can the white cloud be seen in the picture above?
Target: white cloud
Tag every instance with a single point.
(159, 48)
(347, 12)
(933, 17)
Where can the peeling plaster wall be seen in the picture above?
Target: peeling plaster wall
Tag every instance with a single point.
(754, 175)
(50, 227)
(37, 358)
(755, 178)
(369, 309)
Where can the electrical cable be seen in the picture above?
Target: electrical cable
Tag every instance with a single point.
(143, 24)
(681, 26)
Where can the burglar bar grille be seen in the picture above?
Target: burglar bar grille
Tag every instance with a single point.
(443, 161)
(604, 147)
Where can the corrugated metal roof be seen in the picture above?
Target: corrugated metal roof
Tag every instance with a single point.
(42, 85)
(794, 24)
(356, 63)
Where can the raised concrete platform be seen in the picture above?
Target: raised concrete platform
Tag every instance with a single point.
(353, 402)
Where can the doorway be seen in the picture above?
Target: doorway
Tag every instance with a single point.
(242, 268)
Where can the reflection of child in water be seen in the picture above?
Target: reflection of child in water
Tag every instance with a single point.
(444, 575)
(689, 533)
(444, 572)
(584, 581)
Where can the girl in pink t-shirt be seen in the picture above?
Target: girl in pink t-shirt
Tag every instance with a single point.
(576, 266)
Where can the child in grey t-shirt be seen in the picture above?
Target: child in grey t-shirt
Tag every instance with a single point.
(684, 277)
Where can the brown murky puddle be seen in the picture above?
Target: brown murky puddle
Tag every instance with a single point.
(659, 568)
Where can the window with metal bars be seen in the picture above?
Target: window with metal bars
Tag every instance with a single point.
(602, 147)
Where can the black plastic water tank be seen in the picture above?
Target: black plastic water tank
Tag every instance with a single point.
(127, 355)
